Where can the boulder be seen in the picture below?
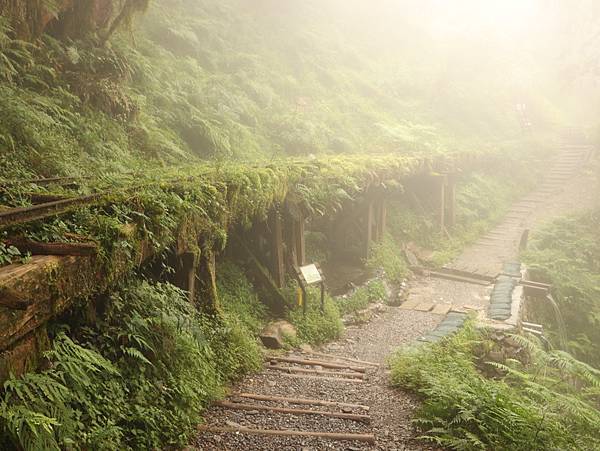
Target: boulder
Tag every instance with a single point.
(274, 334)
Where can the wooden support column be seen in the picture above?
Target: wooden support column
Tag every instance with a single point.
(277, 259)
(207, 282)
(381, 219)
(451, 202)
(369, 228)
(299, 243)
(185, 273)
(441, 201)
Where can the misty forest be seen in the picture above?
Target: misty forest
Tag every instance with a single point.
(299, 225)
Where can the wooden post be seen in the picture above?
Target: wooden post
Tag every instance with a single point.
(185, 273)
(299, 242)
(381, 219)
(451, 202)
(369, 231)
(207, 282)
(277, 260)
(441, 194)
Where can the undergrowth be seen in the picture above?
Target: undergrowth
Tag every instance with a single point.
(566, 254)
(387, 255)
(549, 402)
(138, 379)
(373, 291)
(317, 327)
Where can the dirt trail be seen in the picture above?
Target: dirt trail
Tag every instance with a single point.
(390, 410)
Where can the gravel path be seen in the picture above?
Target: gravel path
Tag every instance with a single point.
(391, 410)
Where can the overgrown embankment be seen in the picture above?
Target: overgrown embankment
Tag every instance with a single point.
(476, 397)
(566, 254)
(137, 377)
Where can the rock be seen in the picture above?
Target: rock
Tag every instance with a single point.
(271, 383)
(252, 412)
(346, 410)
(233, 424)
(306, 348)
(496, 356)
(273, 335)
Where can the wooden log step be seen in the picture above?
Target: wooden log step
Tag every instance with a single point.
(319, 363)
(304, 401)
(323, 378)
(457, 278)
(291, 369)
(347, 359)
(368, 438)
(290, 411)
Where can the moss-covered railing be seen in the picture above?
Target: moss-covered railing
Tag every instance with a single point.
(188, 210)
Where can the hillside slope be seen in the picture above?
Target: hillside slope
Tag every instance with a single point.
(191, 80)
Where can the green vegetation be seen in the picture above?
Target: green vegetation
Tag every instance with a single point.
(387, 255)
(548, 400)
(238, 298)
(317, 327)
(373, 291)
(566, 254)
(138, 378)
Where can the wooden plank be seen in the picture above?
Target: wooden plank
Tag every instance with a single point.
(441, 309)
(424, 306)
(368, 438)
(291, 411)
(318, 363)
(410, 304)
(305, 401)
